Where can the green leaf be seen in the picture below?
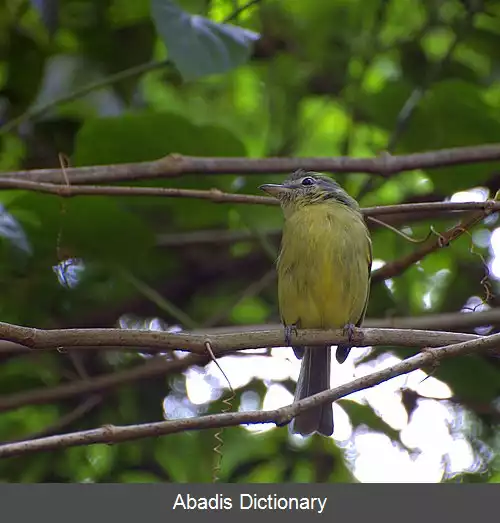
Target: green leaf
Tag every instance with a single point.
(95, 227)
(126, 12)
(186, 457)
(250, 310)
(133, 476)
(144, 136)
(495, 478)
(364, 415)
(197, 45)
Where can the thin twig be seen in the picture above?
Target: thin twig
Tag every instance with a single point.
(407, 111)
(101, 384)
(160, 301)
(40, 110)
(254, 289)
(398, 232)
(440, 240)
(81, 410)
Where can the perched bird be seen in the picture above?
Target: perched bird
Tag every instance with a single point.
(323, 278)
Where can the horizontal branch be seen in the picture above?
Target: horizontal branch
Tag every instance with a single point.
(217, 196)
(451, 320)
(176, 165)
(185, 341)
(70, 191)
(281, 416)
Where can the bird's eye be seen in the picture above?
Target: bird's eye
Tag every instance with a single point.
(308, 181)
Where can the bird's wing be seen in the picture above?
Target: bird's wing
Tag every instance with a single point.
(343, 349)
(370, 260)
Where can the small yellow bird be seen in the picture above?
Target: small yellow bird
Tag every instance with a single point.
(323, 278)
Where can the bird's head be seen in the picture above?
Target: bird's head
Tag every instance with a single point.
(307, 188)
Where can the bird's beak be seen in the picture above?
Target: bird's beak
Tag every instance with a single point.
(274, 189)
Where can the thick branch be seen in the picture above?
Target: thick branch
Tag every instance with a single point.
(163, 341)
(450, 320)
(281, 416)
(177, 165)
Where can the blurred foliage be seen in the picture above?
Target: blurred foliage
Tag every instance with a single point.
(325, 78)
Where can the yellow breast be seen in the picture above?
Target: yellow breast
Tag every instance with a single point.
(323, 267)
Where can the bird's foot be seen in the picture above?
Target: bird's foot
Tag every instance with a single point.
(289, 329)
(434, 364)
(349, 329)
(343, 349)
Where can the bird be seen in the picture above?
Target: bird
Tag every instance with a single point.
(324, 269)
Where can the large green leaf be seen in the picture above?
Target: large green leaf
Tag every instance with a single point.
(148, 136)
(198, 46)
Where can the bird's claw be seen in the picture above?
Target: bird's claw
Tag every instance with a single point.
(343, 349)
(289, 329)
(349, 329)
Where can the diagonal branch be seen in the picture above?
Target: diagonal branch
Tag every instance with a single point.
(442, 240)
(281, 416)
(154, 367)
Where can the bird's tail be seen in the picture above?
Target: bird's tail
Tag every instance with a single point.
(314, 377)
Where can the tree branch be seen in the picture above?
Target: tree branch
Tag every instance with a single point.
(450, 320)
(160, 341)
(438, 241)
(281, 416)
(175, 165)
(217, 196)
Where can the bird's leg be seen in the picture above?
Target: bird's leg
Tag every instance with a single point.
(348, 331)
(343, 349)
(289, 329)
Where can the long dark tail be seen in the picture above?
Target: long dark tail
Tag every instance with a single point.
(314, 377)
